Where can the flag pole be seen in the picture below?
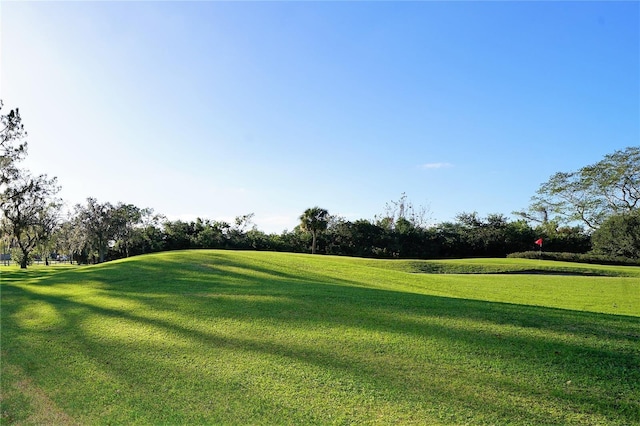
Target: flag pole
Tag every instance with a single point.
(538, 242)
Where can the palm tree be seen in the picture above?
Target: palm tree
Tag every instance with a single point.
(314, 220)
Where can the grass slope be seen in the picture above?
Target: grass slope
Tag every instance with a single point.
(204, 337)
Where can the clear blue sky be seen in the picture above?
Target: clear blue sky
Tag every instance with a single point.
(218, 109)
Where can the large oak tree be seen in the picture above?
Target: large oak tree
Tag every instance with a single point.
(28, 207)
(30, 212)
(591, 194)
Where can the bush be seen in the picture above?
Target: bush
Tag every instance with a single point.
(619, 235)
(600, 259)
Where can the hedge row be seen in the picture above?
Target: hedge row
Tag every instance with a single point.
(577, 257)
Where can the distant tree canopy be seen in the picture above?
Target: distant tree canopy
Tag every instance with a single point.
(96, 232)
(604, 197)
(591, 194)
(103, 227)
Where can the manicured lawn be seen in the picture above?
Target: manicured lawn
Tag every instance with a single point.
(221, 337)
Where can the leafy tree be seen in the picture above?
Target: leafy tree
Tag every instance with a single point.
(470, 220)
(451, 239)
(538, 212)
(617, 179)
(128, 220)
(360, 238)
(178, 235)
(100, 226)
(151, 236)
(210, 234)
(258, 240)
(30, 212)
(294, 240)
(313, 221)
(493, 236)
(591, 194)
(28, 205)
(237, 233)
(483, 236)
(67, 239)
(409, 241)
(619, 235)
(13, 148)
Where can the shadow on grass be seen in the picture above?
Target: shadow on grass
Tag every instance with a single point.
(520, 352)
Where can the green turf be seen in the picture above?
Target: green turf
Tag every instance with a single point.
(220, 337)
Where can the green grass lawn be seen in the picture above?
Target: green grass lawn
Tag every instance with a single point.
(223, 337)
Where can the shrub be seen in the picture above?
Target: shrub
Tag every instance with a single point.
(619, 235)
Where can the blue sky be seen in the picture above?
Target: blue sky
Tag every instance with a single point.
(218, 109)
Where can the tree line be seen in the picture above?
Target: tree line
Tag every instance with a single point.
(593, 209)
(102, 231)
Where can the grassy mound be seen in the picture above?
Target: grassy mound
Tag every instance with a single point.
(202, 337)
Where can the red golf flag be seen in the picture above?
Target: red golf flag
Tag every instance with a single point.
(539, 242)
